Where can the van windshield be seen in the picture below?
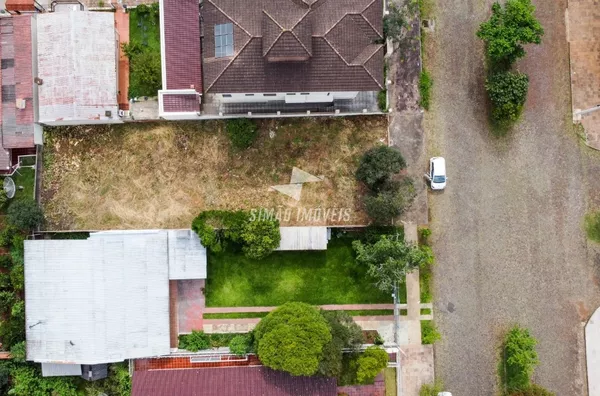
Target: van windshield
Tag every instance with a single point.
(439, 179)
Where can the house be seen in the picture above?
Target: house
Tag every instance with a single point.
(76, 68)
(106, 298)
(270, 56)
(18, 106)
(229, 381)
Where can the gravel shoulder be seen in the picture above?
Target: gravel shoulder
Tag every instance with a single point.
(507, 232)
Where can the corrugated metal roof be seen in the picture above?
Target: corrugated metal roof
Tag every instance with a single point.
(60, 370)
(77, 61)
(303, 238)
(99, 300)
(187, 256)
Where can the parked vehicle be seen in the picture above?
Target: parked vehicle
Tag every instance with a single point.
(437, 174)
(444, 394)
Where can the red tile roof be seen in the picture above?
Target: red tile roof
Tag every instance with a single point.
(231, 381)
(182, 44)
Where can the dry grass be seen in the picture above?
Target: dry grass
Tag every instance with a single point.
(161, 175)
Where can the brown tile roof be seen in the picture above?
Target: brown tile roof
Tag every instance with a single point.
(182, 44)
(231, 381)
(294, 46)
(17, 83)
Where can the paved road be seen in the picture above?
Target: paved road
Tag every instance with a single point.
(507, 231)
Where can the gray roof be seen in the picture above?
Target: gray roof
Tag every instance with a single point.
(104, 299)
(303, 238)
(60, 369)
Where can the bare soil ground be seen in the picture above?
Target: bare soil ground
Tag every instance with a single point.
(161, 175)
(507, 231)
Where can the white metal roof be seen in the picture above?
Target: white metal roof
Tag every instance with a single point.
(100, 300)
(187, 256)
(303, 238)
(77, 61)
(60, 369)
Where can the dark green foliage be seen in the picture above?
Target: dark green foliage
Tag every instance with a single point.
(5, 283)
(390, 259)
(17, 277)
(370, 363)
(520, 358)
(195, 341)
(118, 382)
(218, 228)
(424, 234)
(18, 352)
(7, 299)
(240, 344)
(382, 100)
(260, 237)
(429, 332)
(5, 261)
(507, 92)
(25, 214)
(6, 234)
(425, 84)
(17, 311)
(344, 334)
(12, 331)
(508, 29)
(5, 368)
(291, 338)
(431, 389)
(28, 381)
(592, 226)
(242, 132)
(390, 201)
(532, 390)
(378, 165)
(3, 198)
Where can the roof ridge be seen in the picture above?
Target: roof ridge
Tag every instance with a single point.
(230, 17)
(301, 43)
(336, 51)
(377, 48)
(369, 22)
(230, 62)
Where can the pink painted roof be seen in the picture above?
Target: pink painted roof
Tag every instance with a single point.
(17, 82)
(182, 45)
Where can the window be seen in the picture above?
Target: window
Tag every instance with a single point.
(224, 40)
(249, 94)
(304, 93)
(269, 94)
(226, 95)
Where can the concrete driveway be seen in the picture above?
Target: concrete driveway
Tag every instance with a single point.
(507, 230)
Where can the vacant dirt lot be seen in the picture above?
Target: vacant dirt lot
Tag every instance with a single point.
(162, 174)
(507, 231)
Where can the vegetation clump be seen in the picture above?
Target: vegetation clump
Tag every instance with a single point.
(242, 132)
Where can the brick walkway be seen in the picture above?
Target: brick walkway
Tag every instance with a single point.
(583, 34)
(122, 26)
(413, 292)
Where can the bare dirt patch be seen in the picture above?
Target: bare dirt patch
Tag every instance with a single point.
(161, 175)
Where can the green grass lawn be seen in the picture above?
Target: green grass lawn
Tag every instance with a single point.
(144, 40)
(247, 315)
(319, 277)
(24, 177)
(391, 388)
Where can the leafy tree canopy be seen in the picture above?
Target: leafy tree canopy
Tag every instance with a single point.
(261, 237)
(345, 333)
(508, 29)
(507, 92)
(370, 363)
(378, 165)
(521, 358)
(25, 214)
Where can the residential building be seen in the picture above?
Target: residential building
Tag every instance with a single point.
(269, 56)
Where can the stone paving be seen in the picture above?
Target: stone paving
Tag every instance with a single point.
(416, 363)
(583, 35)
(592, 346)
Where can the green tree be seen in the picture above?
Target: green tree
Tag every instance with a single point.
(25, 214)
(18, 352)
(260, 237)
(390, 202)
(7, 299)
(18, 310)
(17, 277)
(291, 338)
(218, 228)
(242, 132)
(27, 381)
(370, 363)
(508, 29)
(520, 358)
(194, 342)
(378, 164)
(240, 345)
(507, 92)
(390, 259)
(345, 333)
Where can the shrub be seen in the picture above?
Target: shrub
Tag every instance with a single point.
(532, 390)
(17, 277)
(520, 358)
(424, 234)
(429, 332)
(240, 345)
(370, 363)
(508, 29)
(425, 84)
(344, 334)
(592, 226)
(28, 381)
(195, 341)
(5, 261)
(431, 389)
(507, 92)
(217, 228)
(382, 100)
(26, 215)
(390, 202)
(5, 281)
(18, 310)
(7, 299)
(3, 198)
(242, 132)
(378, 165)
(260, 237)
(18, 352)
(291, 338)
(7, 234)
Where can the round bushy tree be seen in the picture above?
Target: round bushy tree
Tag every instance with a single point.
(370, 363)
(390, 202)
(507, 92)
(195, 341)
(345, 333)
(378, 165)
(291, 338)
(242, 132)
(260, 237)
(25, 214)
(240, 345)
